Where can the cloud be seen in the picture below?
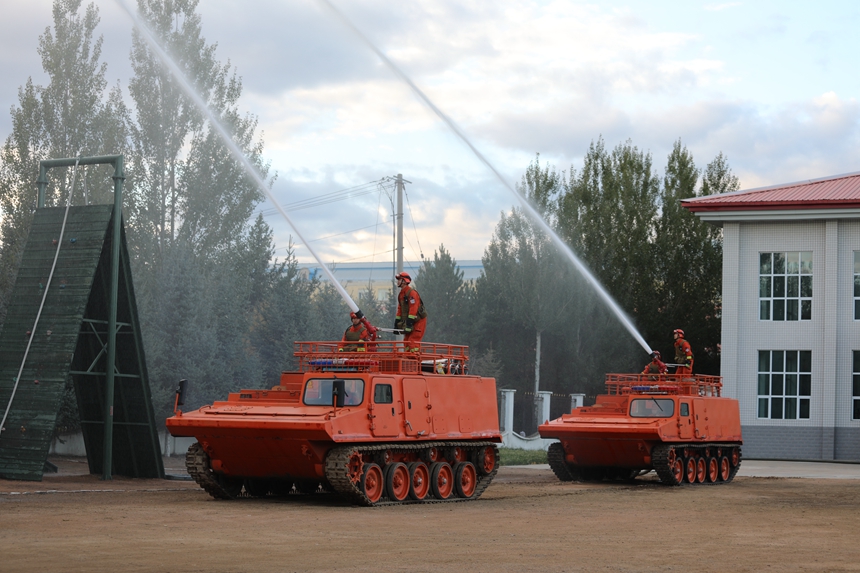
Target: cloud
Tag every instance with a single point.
(720, 7)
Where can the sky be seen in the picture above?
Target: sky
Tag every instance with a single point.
(773, 85)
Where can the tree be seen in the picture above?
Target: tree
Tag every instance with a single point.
(523, 270)
(691, 269)
(607, 216)
(73, 115)
(446, 296)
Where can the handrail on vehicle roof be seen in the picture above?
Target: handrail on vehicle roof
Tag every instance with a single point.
(390, 357)
(673, 384)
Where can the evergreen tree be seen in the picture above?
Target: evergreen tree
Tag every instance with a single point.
(446, 296)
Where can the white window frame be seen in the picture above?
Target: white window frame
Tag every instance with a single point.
(856, 285)
(855, 387)
(784, 384)
(785, 286)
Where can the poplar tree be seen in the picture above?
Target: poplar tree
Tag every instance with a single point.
(73, 115)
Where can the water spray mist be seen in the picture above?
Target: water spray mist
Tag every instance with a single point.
(527, 207)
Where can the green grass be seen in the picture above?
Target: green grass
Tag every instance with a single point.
(513, 457)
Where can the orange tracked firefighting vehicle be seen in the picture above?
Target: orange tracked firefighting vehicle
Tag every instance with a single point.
(678, 426)
(383, 425)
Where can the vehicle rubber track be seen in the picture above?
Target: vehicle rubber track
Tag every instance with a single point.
(197, 463)
(337, 462)
(561, 469)
(660, 462)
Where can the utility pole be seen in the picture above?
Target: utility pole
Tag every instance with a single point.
(398, 247)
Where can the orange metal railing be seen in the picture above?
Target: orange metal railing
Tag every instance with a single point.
(680, 384)
(382, 356)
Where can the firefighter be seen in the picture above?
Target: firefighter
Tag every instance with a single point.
(683, 353)
(656, 366)
(356, 332)
(411, 317)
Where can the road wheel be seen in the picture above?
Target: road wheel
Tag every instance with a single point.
(712, 470)
(678, 471)
(397, 481)
(441, 480)
(372, 484)
(690, 470)
(419, 480)
(700, 469)
(486, 459)
(725, 468)
(465, 479)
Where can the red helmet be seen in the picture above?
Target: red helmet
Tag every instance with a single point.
(679, 332)
(656, 354)
(352, 315)
(404, 276)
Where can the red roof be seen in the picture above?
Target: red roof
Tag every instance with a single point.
(835, 192)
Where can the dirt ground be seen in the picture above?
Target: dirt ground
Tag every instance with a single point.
(525, 521)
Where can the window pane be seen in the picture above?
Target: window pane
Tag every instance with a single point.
(791, 408)
(764, 310)
(791, 361)
(777, 361)
(779, 310)
(776, 384)
(805, 385)
(778, 286)
(764, 361)
(762, 407)
(804, 409)
(856, 361)
(791, 285)
(856, 285)
(764, 287)
(791, 384)
(791, 309)
(765, 265)
(779, 263)
(764, 383)
(856, 415)
(806, 310)
(792, 263)
(806, 285)
(857, 309)
(805, 361)
(855, 383)
(806, 262)
(857, 261)
(776, 408)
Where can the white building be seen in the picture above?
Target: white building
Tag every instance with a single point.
(791, 315)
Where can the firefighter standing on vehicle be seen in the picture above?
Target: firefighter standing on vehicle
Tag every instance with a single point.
(411, 317)
(656, 366)
(355, 333)
(683, 353)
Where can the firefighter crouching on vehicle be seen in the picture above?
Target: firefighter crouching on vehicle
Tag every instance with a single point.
(411, 317)
(356, 332)
(683, 353)
(656, 366)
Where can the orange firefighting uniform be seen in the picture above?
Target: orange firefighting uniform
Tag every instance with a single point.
(656, 366)
(408, 302)
(355, 334)
(683, 355)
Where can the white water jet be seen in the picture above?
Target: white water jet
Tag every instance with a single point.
(527, 207)
(234, 149)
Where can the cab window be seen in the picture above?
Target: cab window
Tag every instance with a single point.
(685, 409)
(318, 392)
(652, 408)
(382, 394)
